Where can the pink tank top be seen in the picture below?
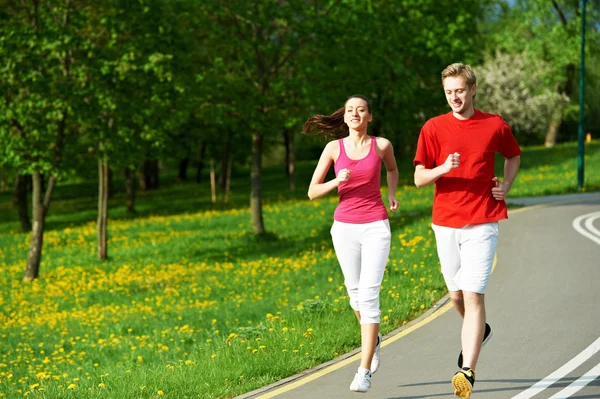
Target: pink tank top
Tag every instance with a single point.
(360, 197)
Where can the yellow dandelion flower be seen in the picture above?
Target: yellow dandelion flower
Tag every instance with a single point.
(72, 386)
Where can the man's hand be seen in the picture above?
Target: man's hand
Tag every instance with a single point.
(500, 190)
(452, 162)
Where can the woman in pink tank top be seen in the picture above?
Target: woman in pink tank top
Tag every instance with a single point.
(361, 231)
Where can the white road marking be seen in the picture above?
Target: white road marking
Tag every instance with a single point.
(576, 386)
(577, 226)
(590, 231)
(589, 224)
(561, 372)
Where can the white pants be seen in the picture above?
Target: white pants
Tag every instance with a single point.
(467, 255)
(362, 251)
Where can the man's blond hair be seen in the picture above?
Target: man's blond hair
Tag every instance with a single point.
(460, 69)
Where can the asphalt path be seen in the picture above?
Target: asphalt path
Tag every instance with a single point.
(543, 303)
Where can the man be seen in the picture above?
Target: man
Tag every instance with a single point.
(456, 152)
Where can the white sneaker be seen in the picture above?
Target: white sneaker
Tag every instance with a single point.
(375, 361)
(361, 382)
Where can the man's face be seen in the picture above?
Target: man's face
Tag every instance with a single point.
(459, 95)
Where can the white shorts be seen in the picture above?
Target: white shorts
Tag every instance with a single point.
(467, 255)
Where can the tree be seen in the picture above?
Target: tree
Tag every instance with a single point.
(393, 52)
(512, 86)
(270, 35)
(137, 95)
(43, 87)
(547, 31)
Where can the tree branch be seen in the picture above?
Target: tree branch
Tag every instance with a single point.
(48, 194)
(18, 126)
(561, 15)
(53, 15)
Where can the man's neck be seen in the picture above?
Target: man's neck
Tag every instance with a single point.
(467, 114)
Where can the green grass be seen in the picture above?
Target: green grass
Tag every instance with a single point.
(191, 304)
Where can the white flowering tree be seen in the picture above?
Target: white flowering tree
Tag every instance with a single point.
(514, 87)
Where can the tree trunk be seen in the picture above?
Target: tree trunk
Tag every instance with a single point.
(110, 186)
(227, 181)
(102, 224)
(42, 183)
(290, 158)
(566, 91)
(213, 184)
(256, 182)
(200, 165)
(39, 211)
(183, 166)
(149, 175)
(20, 201)
(552, 132)
(130, 190)
(286, 143)
(554, 126)
(224, 160)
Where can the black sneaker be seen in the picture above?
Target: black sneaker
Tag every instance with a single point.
(486, 337)
(463, 382)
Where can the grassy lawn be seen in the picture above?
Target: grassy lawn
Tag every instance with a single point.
(191, 304)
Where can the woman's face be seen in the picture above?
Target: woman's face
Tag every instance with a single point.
(357, 115)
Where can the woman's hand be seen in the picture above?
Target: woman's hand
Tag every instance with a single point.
(343, 175)
(393, 203)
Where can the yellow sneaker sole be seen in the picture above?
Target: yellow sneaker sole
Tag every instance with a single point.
(462, 386)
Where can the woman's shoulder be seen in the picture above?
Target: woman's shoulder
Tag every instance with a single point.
(333, 145)
(333, 148)
(382, 143)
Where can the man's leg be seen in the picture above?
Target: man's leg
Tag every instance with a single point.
(459, 302)
(473, 327)
(478, 247)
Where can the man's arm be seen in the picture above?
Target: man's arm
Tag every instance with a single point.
(511, 168)
(425, 177)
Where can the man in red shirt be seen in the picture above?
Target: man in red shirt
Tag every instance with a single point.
(456, 152)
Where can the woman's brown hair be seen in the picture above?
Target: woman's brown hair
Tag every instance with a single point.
(332, 126)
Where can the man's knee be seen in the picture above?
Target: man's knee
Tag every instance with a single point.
(457, 297)
(472, 299)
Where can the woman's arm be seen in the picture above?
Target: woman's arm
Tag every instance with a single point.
(389, 160)
(317, 188)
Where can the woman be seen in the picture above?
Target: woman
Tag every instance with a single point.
(361, 231)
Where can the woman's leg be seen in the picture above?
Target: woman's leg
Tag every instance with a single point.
(347, 249)
(375, 240)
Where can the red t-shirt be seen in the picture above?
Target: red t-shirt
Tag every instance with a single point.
(464, 195)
